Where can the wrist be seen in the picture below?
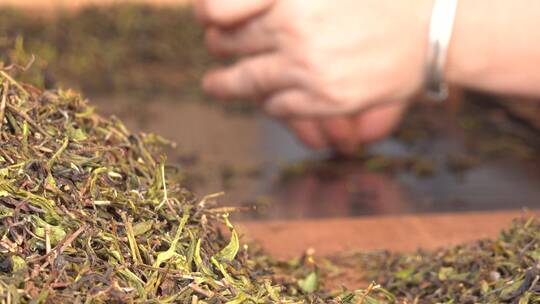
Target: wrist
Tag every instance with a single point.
(464, 67)
(496, 47)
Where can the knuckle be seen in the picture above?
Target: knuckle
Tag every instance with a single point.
(334, 95)
(213, 11)
(216, 44)
(308, 63)
(251, 76)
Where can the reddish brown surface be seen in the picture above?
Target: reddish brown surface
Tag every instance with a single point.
(286, 239)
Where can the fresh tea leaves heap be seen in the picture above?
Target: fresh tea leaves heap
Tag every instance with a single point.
(91, 214)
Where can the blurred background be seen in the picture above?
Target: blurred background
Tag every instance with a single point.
(142, 61)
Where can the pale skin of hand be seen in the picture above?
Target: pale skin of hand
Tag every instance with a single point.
(341, 73)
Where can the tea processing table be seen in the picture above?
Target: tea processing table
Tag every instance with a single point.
(290, 238)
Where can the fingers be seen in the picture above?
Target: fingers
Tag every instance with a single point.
(337, 132)
(282, 104)
(229, 12)
(249, 39)
(299, 103)
(308, 132)
(251, 78)
(378, 122)
(340, 133)
(346, 133)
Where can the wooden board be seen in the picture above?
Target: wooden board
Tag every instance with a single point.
(286, 239)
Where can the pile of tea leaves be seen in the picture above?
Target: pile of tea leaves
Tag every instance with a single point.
(90, 213)
(124, 47)
(504, 270)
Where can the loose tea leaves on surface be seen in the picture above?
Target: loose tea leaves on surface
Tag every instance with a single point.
(504, 270)
(91, 213)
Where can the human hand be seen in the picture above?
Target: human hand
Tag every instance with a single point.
(345, 133)
(307, 61)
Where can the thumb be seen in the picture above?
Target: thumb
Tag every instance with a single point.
(229, 12)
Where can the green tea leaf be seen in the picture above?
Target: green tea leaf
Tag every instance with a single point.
(231, 250)
(171, 252)
(310, 283)
(18, 263)
(142, 228)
